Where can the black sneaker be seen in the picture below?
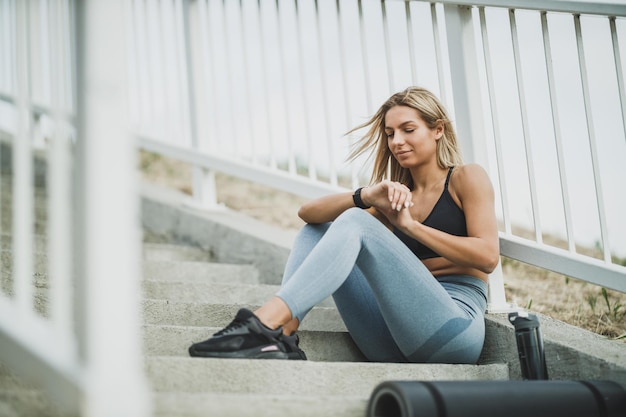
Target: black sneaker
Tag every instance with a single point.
(292, 345)
(244, 337)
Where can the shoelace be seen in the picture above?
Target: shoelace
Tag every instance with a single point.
(235, 324)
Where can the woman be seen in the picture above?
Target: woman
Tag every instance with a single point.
(406, 259)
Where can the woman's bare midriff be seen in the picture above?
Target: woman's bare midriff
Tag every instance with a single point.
(441, 267)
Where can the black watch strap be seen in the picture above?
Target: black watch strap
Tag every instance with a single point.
(356, 197)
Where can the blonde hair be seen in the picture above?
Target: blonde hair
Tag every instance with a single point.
(431, 111)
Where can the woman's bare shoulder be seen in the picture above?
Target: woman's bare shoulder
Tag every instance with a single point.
(469, 179)
(469, 170)
(469, 174)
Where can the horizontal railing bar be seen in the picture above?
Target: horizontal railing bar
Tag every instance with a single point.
(282, 180)
(59, 113)
(585, 268)
(39, 108)
(604, 8)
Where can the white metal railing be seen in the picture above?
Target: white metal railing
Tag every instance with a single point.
(268, 87)
(57, 56)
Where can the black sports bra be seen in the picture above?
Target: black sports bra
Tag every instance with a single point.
(446, 216)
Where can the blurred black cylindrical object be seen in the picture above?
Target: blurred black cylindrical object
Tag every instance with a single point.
(497, 398)
(532, 357)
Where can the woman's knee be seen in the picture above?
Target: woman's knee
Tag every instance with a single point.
(310, 234)
(352, 213)
(355, 219)
(313, 230)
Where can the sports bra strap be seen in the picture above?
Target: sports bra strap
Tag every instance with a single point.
(445, 187)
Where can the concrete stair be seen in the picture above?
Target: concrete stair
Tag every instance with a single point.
(187, 298)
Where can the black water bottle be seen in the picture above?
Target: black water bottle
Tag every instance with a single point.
(529, 345)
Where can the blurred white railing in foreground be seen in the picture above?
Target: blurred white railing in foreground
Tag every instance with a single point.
(265, 89)
(63, 93)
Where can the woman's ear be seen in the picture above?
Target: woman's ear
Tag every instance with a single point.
(439, 129)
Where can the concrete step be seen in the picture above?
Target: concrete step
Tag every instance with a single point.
(214, 293)
(208, 293)
(189, 271)
(178, 404)
(308, 378)
(164, 312)
(319, 346)
(171, 252)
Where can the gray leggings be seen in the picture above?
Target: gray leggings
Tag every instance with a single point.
(393, 307)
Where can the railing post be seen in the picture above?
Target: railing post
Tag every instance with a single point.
(469, 114)
(204, 189)
(203, 180)
(22, 169)
(108, 226)
(468, 109)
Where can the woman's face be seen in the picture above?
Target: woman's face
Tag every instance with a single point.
(409, 138)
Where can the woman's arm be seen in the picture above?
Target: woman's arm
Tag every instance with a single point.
(325, 209)
(480, 249)
(384, 195)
